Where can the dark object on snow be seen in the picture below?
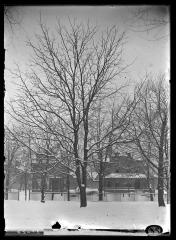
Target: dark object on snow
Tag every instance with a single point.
(154, 229)
(56, 226)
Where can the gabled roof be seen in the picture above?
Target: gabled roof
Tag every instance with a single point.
(126, 175)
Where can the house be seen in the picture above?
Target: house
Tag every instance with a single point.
(124, 172)
(57, 177)
(56, 181)
(120, 172)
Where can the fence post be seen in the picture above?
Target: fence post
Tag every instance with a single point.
(18, 195)
(29, 194)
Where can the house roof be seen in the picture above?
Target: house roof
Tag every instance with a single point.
(126, 175)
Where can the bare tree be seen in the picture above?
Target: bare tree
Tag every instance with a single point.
(11, 149)
(108, 131)
(43, 147)
(70, 72)
(167, 164)
(99, 127)
(150, 126)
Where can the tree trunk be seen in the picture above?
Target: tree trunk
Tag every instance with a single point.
(168, 190)
(25, 185)
(100, 175)
(68, 187)
(82, 189)
(52, 188)
(149, 185)
(151, 194)
(100, 189)
(161, 168)
(160, 190)
(21, 182)
(82, 186)
(43, 188)
(83, 196)
(43, 195)
(6, 193)
(7, 187)
(81, 182)
(83, 199)
(161, 184)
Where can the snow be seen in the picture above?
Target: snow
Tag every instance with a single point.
(72, 191)
(34, 215)
(88, 190)
(126, 175)
(72, 174)
(93, 175)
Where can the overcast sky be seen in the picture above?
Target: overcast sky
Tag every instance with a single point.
(146, 53)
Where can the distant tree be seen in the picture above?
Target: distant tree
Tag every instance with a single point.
(150, 126)
(107, 131)
(47, 151)
(11, 148)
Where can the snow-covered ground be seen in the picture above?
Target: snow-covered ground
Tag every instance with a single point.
(34, 215)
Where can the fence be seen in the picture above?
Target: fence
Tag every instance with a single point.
(132, 195)
(49, 196)
(108, 196)
(13, 195)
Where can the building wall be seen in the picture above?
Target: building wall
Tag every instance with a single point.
(115, 183)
